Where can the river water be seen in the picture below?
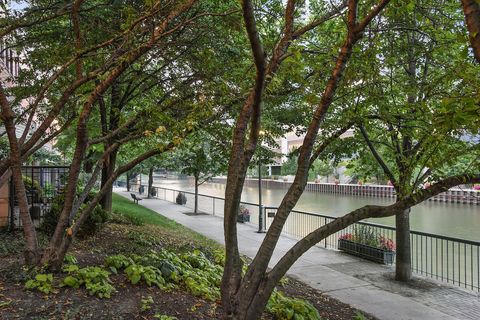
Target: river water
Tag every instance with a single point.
(448, 219)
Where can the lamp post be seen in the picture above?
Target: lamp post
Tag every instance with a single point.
(261, 213)
(261, 216)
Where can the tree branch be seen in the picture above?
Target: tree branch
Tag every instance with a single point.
(377, 156)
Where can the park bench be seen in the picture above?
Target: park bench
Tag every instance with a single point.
(135, 198)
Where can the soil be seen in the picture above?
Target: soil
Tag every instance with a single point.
(66, 303)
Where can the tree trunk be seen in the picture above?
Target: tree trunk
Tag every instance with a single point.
(195, 208)
(107, 171)
(403, 271)
(150, 183)
(471, 9)
(32, 254)
(128, 182)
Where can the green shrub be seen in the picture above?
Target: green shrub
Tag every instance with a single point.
(286, 308)
(32, 186)
(41, 282)
(118, 262)
(95, 279)
(92, 224)
(70, 259)
(151, 275)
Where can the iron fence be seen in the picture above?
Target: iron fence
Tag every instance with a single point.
(42, 185)
(447, 259)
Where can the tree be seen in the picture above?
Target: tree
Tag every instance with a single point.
(244, 297)
(65, 89)
(202, 156)
(290, 166)
(320, 168)
(421, 136)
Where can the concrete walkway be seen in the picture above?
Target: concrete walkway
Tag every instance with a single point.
(364, 285)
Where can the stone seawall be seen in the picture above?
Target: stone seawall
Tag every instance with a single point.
(379, 191)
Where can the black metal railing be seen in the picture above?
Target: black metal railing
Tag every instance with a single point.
(447, 259)
(42, 185)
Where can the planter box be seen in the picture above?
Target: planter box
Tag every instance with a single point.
(242, 218)
(366, 252)
(181, 199)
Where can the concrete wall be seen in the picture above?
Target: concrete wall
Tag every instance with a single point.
(380, 191)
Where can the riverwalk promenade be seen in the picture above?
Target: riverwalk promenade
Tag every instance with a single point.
(366, 286)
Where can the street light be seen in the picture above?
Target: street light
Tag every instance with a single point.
(261, 222)
(260, 209)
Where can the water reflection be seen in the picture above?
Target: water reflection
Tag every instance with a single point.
(450, 219)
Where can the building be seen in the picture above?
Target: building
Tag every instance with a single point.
(287, 144)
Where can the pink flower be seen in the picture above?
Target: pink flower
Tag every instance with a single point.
(346, 236)
(386, 244)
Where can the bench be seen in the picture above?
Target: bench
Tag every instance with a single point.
(135, 198)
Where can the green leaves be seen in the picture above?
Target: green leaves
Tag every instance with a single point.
(95, 279)
(285, 308)
(41, 282)
(151, 275)
(118, 262)
(71, 282)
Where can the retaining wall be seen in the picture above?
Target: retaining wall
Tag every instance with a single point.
(466, 196)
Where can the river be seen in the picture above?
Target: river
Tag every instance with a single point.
(448, 219)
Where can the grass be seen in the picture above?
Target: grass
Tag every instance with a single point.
(141, 215)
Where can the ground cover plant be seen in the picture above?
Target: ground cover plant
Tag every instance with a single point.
(155, 270)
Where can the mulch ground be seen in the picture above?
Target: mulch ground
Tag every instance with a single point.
(66, 303)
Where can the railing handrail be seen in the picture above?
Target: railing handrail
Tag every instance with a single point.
(420, 233)
(448, 259)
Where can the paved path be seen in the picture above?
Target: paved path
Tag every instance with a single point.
(364, 285)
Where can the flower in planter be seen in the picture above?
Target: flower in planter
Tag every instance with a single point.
(366, 235)
(346, 236)
(386, 243)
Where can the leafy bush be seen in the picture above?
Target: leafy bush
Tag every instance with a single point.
(118, 262)
(41, 282)
(70, 259)
(285, 308)
(94, 221)
(181, 198)
(151, 276)
(95, 279)
(32, 185)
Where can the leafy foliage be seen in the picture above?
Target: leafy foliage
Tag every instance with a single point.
(95, 279)
(146, 303)
(285, 308)
(41, 282)
(151, 275)
(94, 221)
(118, 262)
(70, 259)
